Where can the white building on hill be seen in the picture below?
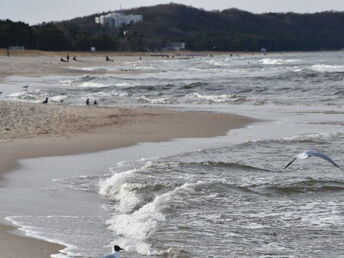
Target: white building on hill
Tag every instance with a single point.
(117, 19)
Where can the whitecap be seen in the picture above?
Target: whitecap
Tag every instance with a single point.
(134, 228)
(223, 98)
(328, 68)
(278, 61)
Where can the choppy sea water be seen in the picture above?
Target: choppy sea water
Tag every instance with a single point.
(226, 196)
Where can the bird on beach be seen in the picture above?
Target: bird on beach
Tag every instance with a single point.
(45, 101)
(26, 86)
(87, 101)
(116, 253)
(310, 153)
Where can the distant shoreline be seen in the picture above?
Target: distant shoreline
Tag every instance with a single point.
(44, 63)
(28, 52)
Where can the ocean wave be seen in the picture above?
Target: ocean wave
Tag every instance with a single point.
(145, 99)
(307, 186)
(194, 85)
(318, 138)
(278, 61)
(133, 229)
(223, 98)
(86, 81)
(90, 68)
(327, 68)
(26, 95)
(222, 164)
(110, 186)
(58, 98)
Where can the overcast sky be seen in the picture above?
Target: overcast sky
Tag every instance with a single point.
(37, 11)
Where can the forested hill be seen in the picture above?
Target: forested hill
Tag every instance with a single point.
(227, 30)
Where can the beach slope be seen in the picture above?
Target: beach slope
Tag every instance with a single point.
(29, 130)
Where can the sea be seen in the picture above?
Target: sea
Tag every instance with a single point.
(226, 196)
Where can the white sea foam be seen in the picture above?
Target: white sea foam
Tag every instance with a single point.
(315, 216)
(111, 185)
(85, 81)
(223, 98)
(278, 61)
(325, 135)
(154, 101)
(92, 85)
(58, 98)
(328, 68)
(95, 68)
(25, 95)
(134, 228)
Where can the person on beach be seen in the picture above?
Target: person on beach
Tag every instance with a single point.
(116, 253)
(108, 59)
(67, 57)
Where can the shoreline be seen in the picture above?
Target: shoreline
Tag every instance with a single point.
(84, 129)
(34, 63)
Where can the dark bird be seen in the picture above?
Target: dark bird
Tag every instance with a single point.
(45, 101)
(95, 103)
(309, 153)
(87, 101)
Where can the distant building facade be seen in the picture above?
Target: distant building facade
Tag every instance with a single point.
(16, 48)
(175, 46)
(117, 19)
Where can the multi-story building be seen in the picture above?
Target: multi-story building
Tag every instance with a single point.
(117, 19)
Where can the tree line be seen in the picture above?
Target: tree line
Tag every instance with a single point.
(227, 30)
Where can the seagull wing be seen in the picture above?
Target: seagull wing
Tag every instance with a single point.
(290, 162)
(323, 156)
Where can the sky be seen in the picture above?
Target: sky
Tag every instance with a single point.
(38, 11)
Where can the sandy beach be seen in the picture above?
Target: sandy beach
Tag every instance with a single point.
(30, 130)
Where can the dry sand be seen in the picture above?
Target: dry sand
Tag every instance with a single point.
(32, 130)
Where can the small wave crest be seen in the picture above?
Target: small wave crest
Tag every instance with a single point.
(145, 99)
(223, 98)
(327, 68)
(222, 164)
(85, 81)
(307, 186)
(26, 95)
(278, 61)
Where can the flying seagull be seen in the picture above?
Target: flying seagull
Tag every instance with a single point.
(309, 153)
